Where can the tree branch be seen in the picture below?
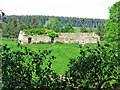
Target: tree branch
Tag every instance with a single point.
(100, 84)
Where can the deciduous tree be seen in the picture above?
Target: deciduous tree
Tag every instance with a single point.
(112, 27)
(53, 24)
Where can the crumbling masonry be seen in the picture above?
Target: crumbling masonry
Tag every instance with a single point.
(80, 38)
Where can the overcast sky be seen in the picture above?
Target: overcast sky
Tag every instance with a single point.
(66, 8)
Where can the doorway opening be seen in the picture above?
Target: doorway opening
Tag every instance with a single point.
(29, 40)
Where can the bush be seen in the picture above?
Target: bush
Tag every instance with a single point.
(35, 31)
(48, 43)
(23, 69)
(57, 42)
(34, 43)
(41, 42)
(17, 70)
(94, 68)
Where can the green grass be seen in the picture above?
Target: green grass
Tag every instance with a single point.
(62, 52)
(77, 29)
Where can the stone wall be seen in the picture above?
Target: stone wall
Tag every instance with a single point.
(62, 37)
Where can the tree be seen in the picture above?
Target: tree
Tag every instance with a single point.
(14, 28)
(34, 23)
(90, 30)
(68, 28)
(2, 17)
(101, 31)
(52, 35)
(71, 31)
(53, 24)
(27, 24)
(20, 75)
(94, 68)
(113, 30)
(112, 27)
(36, 31)
(83, 29)
(40, 25)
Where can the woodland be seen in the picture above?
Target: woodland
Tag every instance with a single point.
(58, 24)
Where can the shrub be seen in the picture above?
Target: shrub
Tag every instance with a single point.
(57, 42)
(34, 43)
(18, 67)
(95, 69)
(41, 42)
(48, 43)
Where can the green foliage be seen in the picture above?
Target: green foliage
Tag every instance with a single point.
(34, 23)
(71, 31)
(42, 43)
(90, 70)
(54, 24)
(52, 34)
(112, 27)
(36, 31)
(40, 25)
(57, 42)
(2, 17)
(83, 29)
(23, 69)
(90, 30)
(62, 51)
(18, 67)
(39, 31)
(11, 29)
(73, 21)
(94, 68)
(101, 31)
(30, 22)
(68, 28)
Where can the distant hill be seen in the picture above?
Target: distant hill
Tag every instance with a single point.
(73, 21)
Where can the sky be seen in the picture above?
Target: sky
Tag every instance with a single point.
(98, 9)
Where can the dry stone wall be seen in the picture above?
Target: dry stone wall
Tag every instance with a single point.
(62, 37)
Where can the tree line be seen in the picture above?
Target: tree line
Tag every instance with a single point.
(16, 23)
(73, 21)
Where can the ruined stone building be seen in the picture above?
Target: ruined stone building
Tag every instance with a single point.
(62, 37)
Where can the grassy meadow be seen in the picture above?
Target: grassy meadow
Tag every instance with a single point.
(62, 52)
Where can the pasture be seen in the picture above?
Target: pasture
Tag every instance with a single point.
(62, 52)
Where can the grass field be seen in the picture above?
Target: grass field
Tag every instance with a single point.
(62, 52)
